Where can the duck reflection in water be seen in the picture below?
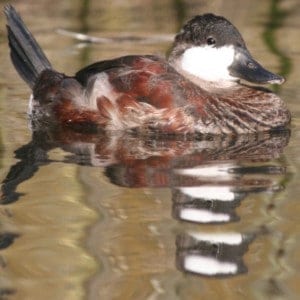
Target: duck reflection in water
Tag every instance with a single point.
(208, 179)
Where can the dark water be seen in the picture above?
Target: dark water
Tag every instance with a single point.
(120, 217)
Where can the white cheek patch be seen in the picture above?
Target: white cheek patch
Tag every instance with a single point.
(208, 63)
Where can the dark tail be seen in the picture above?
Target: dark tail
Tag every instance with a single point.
(26, 54)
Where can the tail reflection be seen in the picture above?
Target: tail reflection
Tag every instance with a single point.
(208, 179)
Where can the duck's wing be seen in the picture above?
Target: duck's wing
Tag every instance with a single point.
(121, 64)
(146, 78)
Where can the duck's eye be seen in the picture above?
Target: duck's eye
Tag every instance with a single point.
(210, 41)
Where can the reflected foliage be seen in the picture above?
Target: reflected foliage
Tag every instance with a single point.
(276, 18)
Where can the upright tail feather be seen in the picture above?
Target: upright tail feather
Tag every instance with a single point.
(26, 54)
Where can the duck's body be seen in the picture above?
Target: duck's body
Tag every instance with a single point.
(148, 93)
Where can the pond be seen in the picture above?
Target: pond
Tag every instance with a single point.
(117, 216)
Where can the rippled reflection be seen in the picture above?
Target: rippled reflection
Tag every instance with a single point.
(212, 254)
(208, 178)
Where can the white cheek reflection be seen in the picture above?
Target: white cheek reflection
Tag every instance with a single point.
(221, 193)
(208, 265)
(229, 238)
(221, 171)
(202, 215)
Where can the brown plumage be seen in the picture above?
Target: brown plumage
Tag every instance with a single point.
(151, 94)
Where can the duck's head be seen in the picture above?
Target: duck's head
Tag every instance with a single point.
(209, 48)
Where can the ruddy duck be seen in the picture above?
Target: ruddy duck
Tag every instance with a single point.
(196, 90)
